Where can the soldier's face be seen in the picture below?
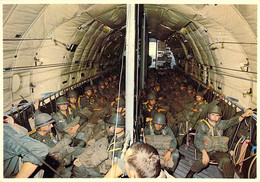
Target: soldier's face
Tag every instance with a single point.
(88, 92)
(183, 88)
(101, 87)
(157, 89)
(95, 91)
(46, 128)
(198, 98)
(63, 107)
(152, 102)
(117, 130)
(158, 126)
(214, 117)
(189, 91)
(106, 83)
(73, 100)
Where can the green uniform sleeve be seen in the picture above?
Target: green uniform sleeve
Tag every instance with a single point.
(34, 146)
(199, 138)
(231, 122)
(174, 141)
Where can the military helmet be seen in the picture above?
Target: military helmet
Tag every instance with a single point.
(151, 96)
(43, 119)
(199, 94)
(120, 103)
(101, 83)
(117, 118)
(159, 118)
(87, 88)
(215, 109)
(189, 87)
(72, 94)
(94, 87)
(62, 100)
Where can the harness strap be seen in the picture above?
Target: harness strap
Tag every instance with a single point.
(211, 128)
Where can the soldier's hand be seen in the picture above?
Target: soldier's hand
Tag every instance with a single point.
(160, 98)
(205, 157)
(248, 113)
(167, 156)
(161, 110)
(72, 131)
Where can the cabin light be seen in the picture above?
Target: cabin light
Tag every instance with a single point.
(206, 30)
(185, 40)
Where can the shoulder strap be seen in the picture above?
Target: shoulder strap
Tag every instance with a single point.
(60, 116)
(211, 128)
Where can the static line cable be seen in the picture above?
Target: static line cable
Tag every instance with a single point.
(32, 153)
(241, 78)
(250, 43)
(119, 91)
(230, 69)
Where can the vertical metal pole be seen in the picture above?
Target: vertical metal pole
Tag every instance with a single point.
(130, 66)
(137, 64)
(143, 52)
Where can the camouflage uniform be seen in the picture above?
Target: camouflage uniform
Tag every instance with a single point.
(222, 158)
(166, 130)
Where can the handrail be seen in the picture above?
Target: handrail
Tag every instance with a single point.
(254, 115)
(49, 94)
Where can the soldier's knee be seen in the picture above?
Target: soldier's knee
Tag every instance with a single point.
(79, 171)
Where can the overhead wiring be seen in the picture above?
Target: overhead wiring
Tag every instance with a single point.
(233, 76)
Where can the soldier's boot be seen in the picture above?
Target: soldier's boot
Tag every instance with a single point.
(190, 174)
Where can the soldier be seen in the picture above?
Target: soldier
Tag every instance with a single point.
(167, 147)
(61, 151)
(117, 128)
(211, 143)
(13, 151)
(87, 100)
(75, 107)
(67, 123)
(143, 161)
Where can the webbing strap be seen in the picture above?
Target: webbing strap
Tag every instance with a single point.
(211, 128)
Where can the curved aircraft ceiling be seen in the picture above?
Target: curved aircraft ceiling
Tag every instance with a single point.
(49, 47)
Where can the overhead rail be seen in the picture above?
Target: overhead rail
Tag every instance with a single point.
(49, 94)
(22, 68)
(210, 44)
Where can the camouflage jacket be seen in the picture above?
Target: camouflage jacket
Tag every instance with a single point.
(204, 130)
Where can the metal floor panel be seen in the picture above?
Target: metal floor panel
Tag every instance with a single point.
(185, 163)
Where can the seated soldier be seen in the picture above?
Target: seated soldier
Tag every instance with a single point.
(67, 124)
(75, 107)
(60, 150)
(87, 100)
(22, 154)
(117, 128)
(150, 108)
(167, 147)
(143, 161)
(211, 143)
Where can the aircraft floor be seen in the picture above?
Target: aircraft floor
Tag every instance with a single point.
(185, 163)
